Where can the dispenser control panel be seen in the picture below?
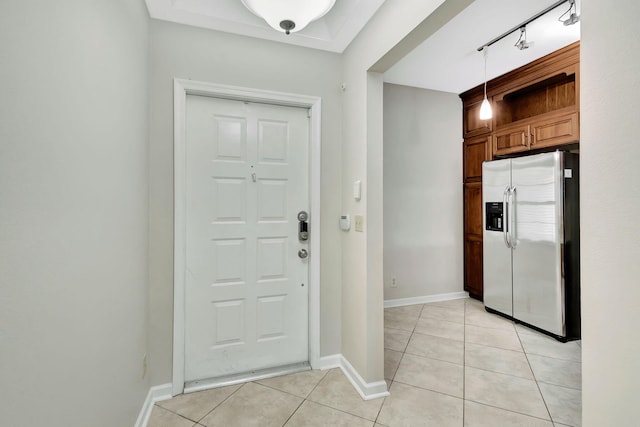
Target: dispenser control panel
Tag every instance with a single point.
(494, 216)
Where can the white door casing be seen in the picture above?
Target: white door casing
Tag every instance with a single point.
(246, 286)
(182, 88)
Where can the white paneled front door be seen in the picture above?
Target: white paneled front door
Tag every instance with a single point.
(246, 292)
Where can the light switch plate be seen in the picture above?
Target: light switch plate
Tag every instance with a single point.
(359, 223)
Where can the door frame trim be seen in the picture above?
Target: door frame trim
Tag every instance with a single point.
(182, 88)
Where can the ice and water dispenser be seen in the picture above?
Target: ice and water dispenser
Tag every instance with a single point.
(494, 216)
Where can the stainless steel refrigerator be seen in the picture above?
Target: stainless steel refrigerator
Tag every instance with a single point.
(531, 246)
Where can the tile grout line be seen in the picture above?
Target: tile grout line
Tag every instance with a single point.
(293, 413)
(306, 399)
(291, 394)
(219, 404)
(339, 410)
(404, 351)
(174, 413)
(464, 362)
(535, 378)
(509, 410)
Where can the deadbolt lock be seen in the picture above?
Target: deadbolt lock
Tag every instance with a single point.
(303, 226)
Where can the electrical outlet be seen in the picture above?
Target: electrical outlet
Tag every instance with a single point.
(144, 365)
(394, 283)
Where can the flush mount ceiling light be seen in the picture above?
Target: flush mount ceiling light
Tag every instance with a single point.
(289, 16)
(522, 42)
(573, 14)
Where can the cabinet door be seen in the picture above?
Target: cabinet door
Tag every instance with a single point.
(511, 139)
(473, 209)
(473, 268)
(473, 239)
(472, 125)
(476, 150)
(558, 130)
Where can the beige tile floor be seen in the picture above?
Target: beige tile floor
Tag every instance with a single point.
(448, 364)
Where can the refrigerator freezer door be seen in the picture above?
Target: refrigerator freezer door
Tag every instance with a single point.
(538, 288)
(496, 179)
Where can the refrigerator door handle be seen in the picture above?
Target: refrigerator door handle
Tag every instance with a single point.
(513, 232)
(505, 222)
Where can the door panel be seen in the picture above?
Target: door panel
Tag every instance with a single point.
(473, 209)
(246, 289)
(496, 178)
(538, 296)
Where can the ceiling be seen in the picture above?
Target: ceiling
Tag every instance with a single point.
(447, 61)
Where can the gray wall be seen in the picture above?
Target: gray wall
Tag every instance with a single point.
(210, 56)
(423, 231)
(73, 212)
(610, 203)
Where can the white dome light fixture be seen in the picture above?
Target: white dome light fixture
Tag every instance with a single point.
(289, 16)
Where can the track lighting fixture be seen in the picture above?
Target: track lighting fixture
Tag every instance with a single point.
(573, 14)
(522, 42)
(573, 18)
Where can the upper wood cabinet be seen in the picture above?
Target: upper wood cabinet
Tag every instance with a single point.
(534, 107)
(557, 129)
(534, 98)
(476, 151)
(511, 139)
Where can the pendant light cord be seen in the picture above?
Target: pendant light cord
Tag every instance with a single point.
(485, 51)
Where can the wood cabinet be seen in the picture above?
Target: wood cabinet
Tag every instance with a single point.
(551, 130)
(473, 239)
(558, 129)
(476, 151)
(537, 114)
(473, 267)
(473, 209)
(535, 108)
(511, 139)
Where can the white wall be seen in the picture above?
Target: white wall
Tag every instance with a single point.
(610, 213)
(384, 39)
(423, 228)
(204, 55)
(73, 212)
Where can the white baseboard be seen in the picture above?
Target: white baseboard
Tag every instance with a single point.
(367, 391)
(156, 394)
(329, 362)
(424, 299)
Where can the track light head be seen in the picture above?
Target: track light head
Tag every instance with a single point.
(573, 18)
(522, 42)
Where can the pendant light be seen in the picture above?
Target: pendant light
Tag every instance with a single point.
(289, 16)
(485, 108)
